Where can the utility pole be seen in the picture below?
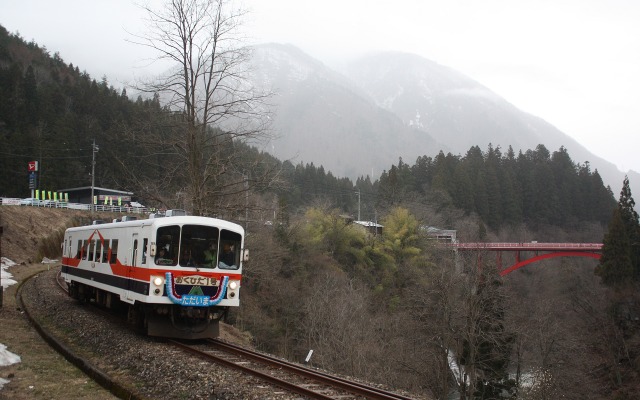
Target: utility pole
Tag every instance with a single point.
(246, 201)
(358, 193)
(94, 149)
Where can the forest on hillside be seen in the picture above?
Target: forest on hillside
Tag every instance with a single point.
(51, 112)
(393, 308)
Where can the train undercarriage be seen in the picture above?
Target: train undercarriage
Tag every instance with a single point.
(161, 320)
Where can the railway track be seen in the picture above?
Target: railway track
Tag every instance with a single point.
(289, 376)
(61, 282)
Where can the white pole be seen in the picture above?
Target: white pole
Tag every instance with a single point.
(94, 150)
(308, 356)
(246, 201)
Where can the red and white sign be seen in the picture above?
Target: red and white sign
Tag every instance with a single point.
(33, 166)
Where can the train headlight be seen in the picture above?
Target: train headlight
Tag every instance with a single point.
(233, 285)
(158, 281)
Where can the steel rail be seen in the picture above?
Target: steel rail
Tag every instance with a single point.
(264, 376)
(61, 283)
(353, 387)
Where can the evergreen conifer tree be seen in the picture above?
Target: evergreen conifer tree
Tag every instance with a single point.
(621, 251)
(629, 216)
(615, 268)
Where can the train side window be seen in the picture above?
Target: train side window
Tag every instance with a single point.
(85, 249)
(79, 255)
(98, 251)
(134, 255)
(145, 243)
(114, 251)
(92, 250)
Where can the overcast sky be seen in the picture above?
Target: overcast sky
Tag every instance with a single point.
(574, 63)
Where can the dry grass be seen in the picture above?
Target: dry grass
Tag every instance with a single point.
(28, 234)
(32, 232)
(42, 373)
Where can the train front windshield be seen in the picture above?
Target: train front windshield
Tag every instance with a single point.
(198, 246)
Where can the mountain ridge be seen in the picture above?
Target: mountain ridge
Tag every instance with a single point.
(390, 105)
(321, 117)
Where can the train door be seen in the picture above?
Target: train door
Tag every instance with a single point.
(132, 265)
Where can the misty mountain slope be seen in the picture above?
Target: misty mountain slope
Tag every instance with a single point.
(451, 107)
(460, 112)
(393, 105)
(322, 117)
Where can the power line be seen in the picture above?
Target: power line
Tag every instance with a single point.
(42, 157)
(50, 148)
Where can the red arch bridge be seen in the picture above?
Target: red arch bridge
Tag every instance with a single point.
(542, 251)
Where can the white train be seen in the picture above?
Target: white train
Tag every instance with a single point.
(176, 275)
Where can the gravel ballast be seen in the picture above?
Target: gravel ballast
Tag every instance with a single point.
(141, 367)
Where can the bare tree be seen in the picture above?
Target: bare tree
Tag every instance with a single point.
(338, 325)
(461, 318)
(211, 104)
(559, 322)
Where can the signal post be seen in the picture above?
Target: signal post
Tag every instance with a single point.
(1, 289)
(33, 176)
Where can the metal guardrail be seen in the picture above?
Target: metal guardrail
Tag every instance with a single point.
(528, 246)
(8, 201)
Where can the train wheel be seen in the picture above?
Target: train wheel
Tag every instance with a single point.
(133, 315)
(83, 293)
(136, 317)
(73, 290)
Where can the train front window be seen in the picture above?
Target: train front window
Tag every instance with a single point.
(199, 246)
(167, 240)
(230, 243)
